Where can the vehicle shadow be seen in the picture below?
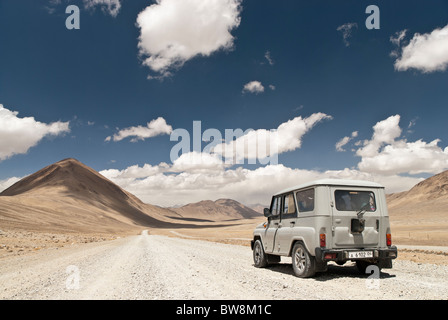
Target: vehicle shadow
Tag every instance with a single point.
(334, 271)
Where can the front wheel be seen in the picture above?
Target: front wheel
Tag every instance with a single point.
(260, 258)
(303, 264)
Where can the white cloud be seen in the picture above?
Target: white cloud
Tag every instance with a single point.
(111, 7)
(4, 184)
(262, 143)
(175, 31)
(197, 162)
(407, 157)
(388, 155)
(346, 30)
(425, 52)
(384, 132)
(165, 188)
(154, 128)
(341, 143)
(253, 87)
(18, 135)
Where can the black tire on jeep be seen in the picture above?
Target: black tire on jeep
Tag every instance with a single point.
(303, 264)
(260, 258)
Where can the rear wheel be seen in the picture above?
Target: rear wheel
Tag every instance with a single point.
(260, 258)
(303, 264)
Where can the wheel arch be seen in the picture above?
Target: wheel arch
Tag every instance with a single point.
(256, 237)
(301, 240)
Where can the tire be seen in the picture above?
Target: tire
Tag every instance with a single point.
(303, 264)
(260, 258)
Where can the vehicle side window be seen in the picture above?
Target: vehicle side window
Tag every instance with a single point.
(305, 200)
(275, 208)
(289, 206)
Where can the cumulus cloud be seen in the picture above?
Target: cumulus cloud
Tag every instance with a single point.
(425, 52)
(253, 87)
(198, 162)
(111, 7)
(407, 157)
(386, 154)
(346, 30)
(154, 128)
(18, 135)
(162, 186)
(384, 132)
(262, 143)
(175, 31)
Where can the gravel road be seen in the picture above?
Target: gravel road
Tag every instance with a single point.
(159, 267)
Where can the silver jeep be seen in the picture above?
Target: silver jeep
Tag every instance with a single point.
(326, 220)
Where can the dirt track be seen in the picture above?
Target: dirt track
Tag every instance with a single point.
(159, 267)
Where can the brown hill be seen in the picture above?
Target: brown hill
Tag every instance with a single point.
(219, 210)
(70, 196)
(421, 214)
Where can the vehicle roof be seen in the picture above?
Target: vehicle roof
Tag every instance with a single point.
(333, 182)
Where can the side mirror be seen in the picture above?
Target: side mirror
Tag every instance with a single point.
(267, 212)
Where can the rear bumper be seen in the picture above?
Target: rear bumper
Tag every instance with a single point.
(324, 255)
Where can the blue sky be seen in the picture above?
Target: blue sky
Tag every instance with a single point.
(64, 92)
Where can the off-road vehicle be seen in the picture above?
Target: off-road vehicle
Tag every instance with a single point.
(326, 220)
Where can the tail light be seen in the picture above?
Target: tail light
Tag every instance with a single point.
(330, 256)
(388, 239)
(322, 239)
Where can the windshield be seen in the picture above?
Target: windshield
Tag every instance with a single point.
(347, 200)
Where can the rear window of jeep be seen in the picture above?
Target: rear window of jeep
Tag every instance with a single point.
(347, 200)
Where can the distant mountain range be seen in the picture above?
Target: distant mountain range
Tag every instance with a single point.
(70, 196)
(219, 210)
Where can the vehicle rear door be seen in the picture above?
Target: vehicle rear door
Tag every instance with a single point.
(355, 217)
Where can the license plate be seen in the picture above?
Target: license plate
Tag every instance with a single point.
(360, 254)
